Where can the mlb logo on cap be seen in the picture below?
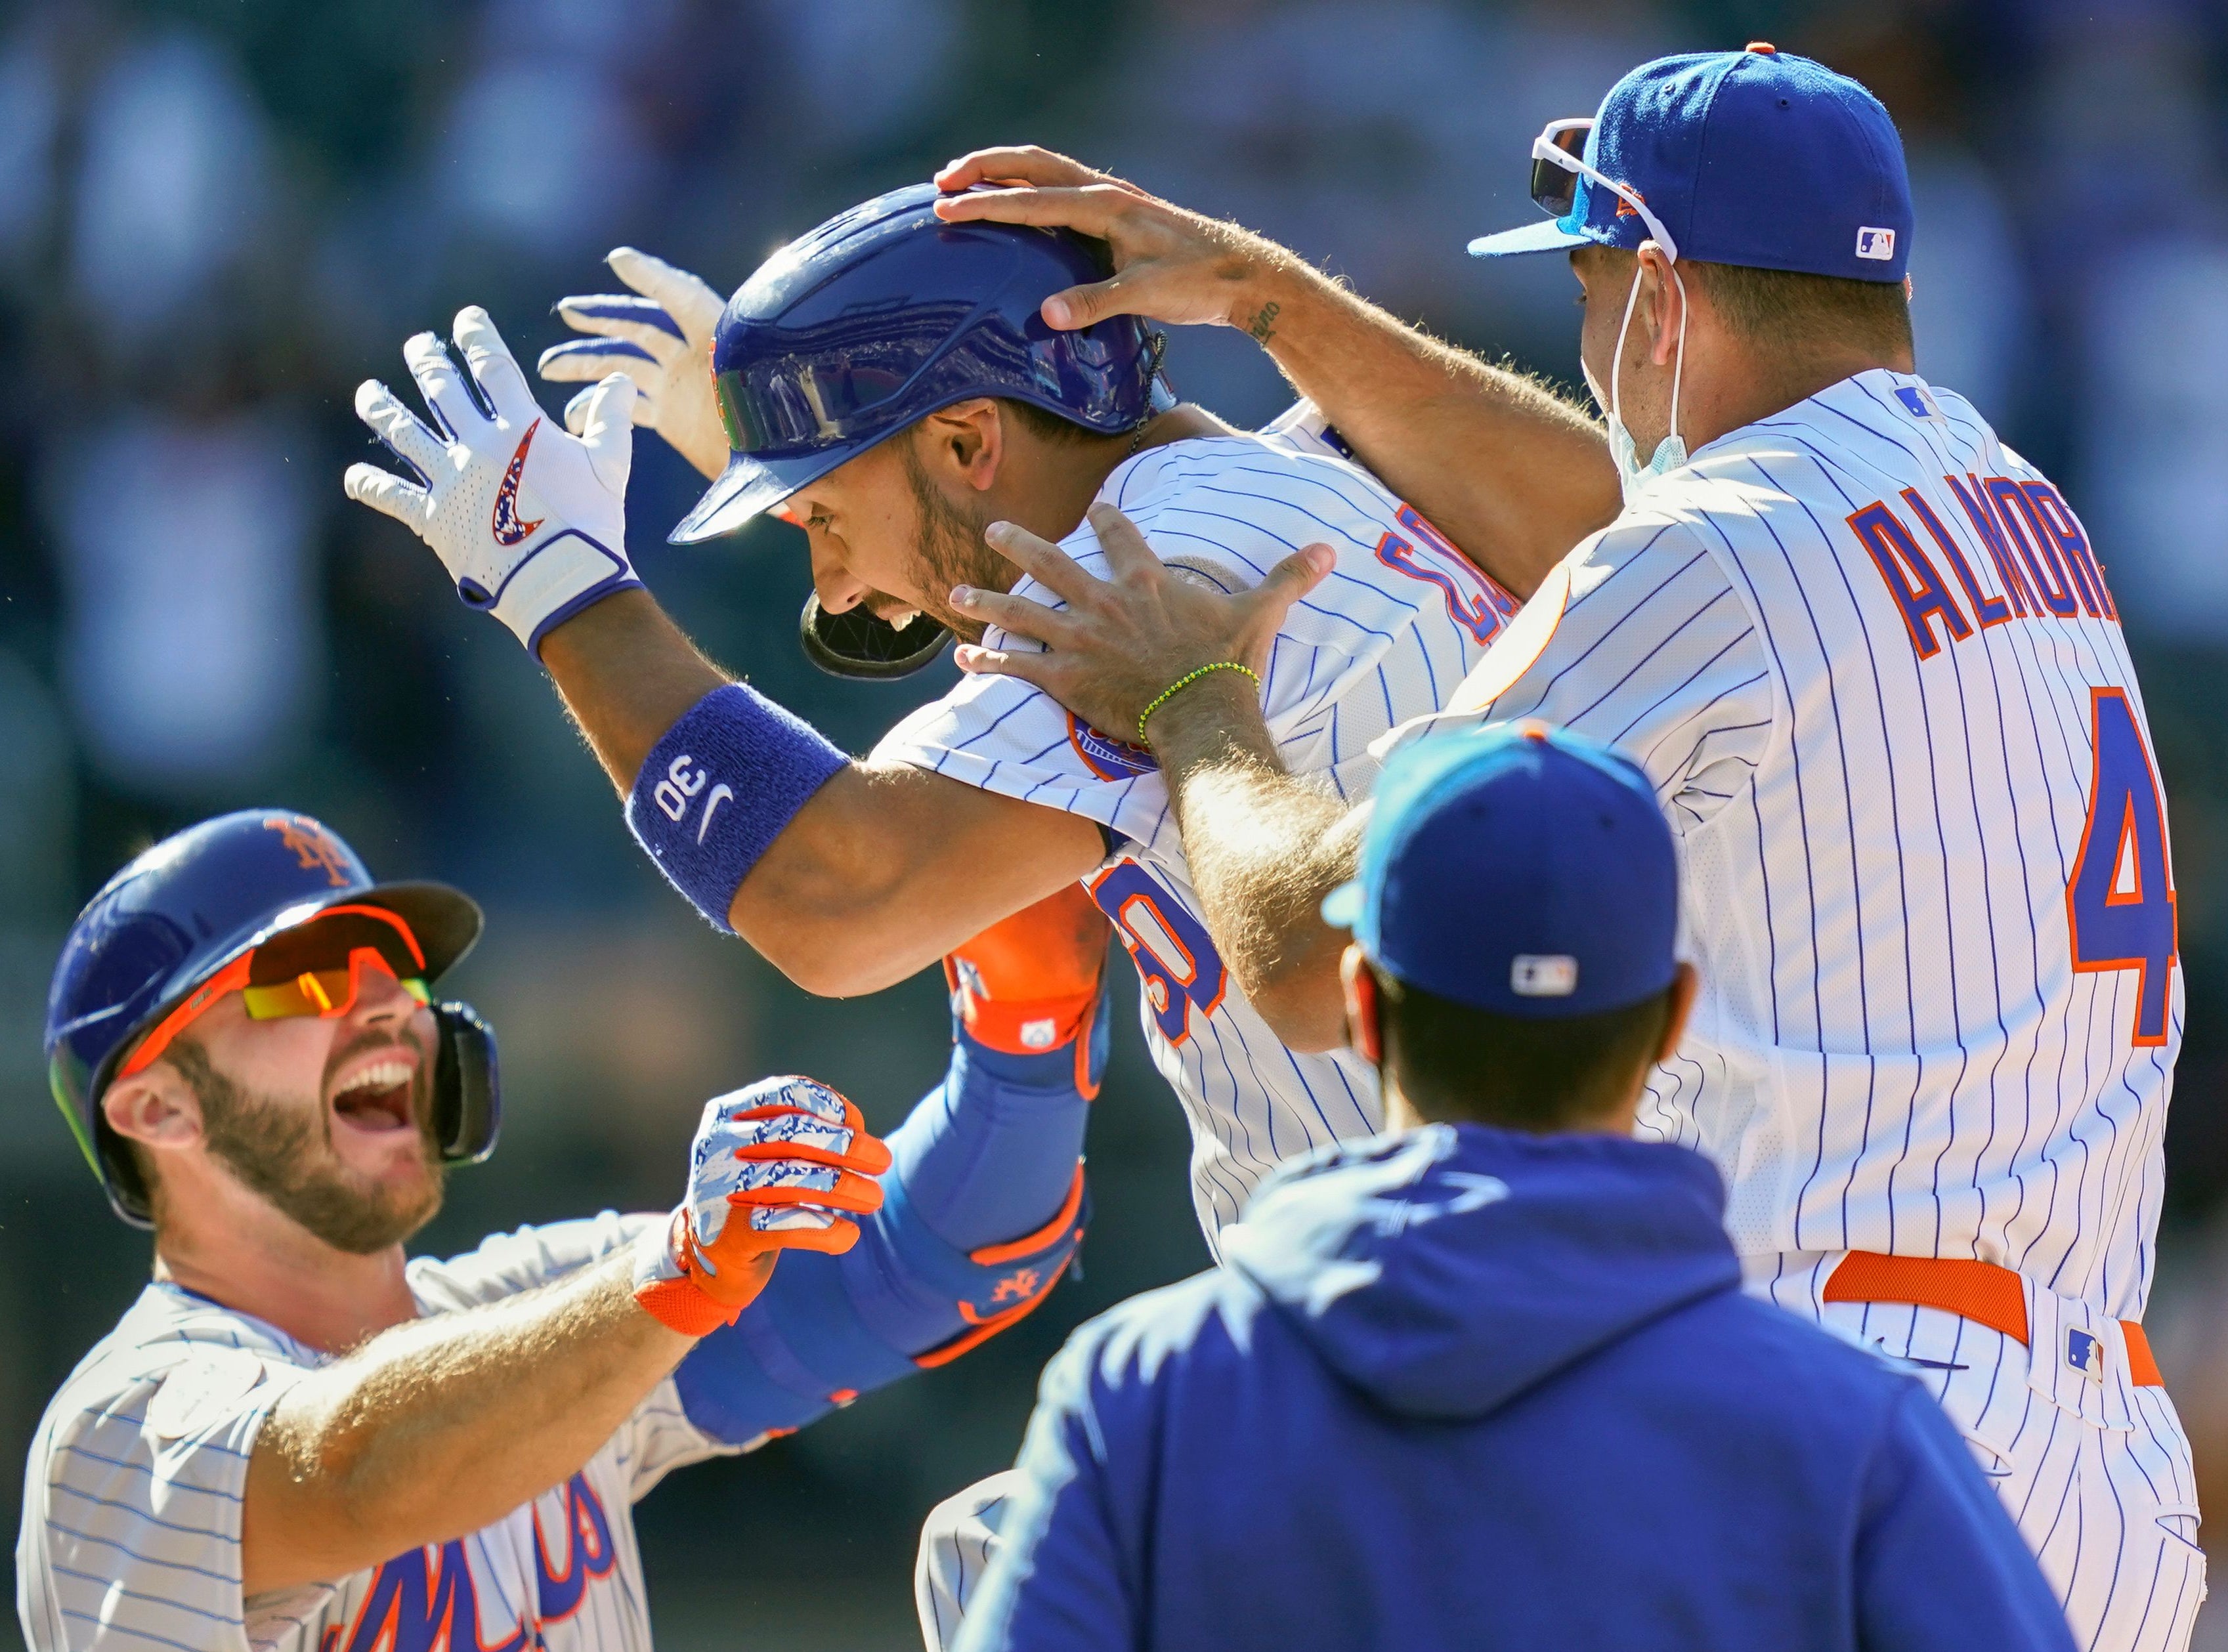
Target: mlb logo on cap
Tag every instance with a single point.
(1532, 976)
(1876, 244)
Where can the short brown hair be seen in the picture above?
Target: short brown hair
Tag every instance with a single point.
(1801, 313)
(1455, 1062)
(1046, 425)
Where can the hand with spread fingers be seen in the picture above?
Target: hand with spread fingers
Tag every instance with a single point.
(1116, 646)
(1169, 265)
(529, 521)
(661, 337)
(783, 1165)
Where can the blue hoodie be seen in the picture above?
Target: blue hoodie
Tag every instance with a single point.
(1470, 1389)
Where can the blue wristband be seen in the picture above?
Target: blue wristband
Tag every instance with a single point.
(716, 792)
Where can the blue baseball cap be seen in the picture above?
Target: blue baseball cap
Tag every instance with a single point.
(1755, 157)
(1516, 868)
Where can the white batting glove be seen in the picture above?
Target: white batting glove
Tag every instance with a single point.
(662, 340)
(529, 521)
(784, 1165)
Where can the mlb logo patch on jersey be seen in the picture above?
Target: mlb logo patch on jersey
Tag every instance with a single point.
(1107, 757)
(1879, 244)
(1918, 403)
(2085, 1354)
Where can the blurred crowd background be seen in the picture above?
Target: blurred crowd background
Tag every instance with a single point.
(217, 215)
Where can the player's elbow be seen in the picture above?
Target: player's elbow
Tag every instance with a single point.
(830, 965)
(835, 939)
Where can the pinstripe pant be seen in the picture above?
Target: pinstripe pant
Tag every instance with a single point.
(2111, 1512)
(957, 1542)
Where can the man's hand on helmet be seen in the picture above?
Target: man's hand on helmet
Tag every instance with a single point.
(529, 520)
(662, 340)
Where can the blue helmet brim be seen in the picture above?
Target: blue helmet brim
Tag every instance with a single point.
(1548, 235)
(750, 486)
(445, 920)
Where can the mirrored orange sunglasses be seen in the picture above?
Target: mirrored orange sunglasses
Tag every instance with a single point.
(314, 969)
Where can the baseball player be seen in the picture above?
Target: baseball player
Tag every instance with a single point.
(884, 383)
(294, 1439)
(1868, 656)
(1489, 1379)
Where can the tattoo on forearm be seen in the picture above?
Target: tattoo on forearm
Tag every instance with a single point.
(1263, 324)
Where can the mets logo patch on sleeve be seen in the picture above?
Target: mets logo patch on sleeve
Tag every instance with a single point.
(1107, 757)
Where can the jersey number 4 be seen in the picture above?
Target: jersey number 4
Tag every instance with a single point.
(2119, 904)
(1180, 970)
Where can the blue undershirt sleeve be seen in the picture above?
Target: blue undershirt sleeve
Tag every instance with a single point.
(983, 1208)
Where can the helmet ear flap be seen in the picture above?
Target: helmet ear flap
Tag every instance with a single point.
(467, 1086)
(857, 644)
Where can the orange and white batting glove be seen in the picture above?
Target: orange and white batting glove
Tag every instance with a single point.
(1029, 982)
(783, 1165)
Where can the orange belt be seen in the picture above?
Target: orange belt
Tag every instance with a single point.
(1980, 1291)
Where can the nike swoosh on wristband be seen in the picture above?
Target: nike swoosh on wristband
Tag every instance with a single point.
(721, 794)
(505, 525)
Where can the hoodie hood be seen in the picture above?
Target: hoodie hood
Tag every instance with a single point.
(1443, 1271)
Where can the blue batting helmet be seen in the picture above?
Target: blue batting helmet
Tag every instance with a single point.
(200, 899)
(883, 315)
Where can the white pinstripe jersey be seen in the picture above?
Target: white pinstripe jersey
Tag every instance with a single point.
(1387, 637)
(131, 1500)
(1866, 653)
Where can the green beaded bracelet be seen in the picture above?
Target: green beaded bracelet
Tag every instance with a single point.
(1185, 682)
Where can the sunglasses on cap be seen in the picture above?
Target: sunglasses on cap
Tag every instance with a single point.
(314, 969)
(1558, 162)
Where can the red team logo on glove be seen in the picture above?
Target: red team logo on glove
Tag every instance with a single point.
(506, 526)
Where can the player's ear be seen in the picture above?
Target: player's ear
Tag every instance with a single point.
(1663, 299)
(156, 1108)
(1685, 982)
(1363, 1006)
(969, 439)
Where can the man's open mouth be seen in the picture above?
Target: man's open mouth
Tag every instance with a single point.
(377, 1097)
(892, 612)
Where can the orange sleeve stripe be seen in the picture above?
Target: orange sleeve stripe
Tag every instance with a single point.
(985, 1329)
(993, 1256)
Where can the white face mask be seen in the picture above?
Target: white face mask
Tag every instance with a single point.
(1670, 452)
